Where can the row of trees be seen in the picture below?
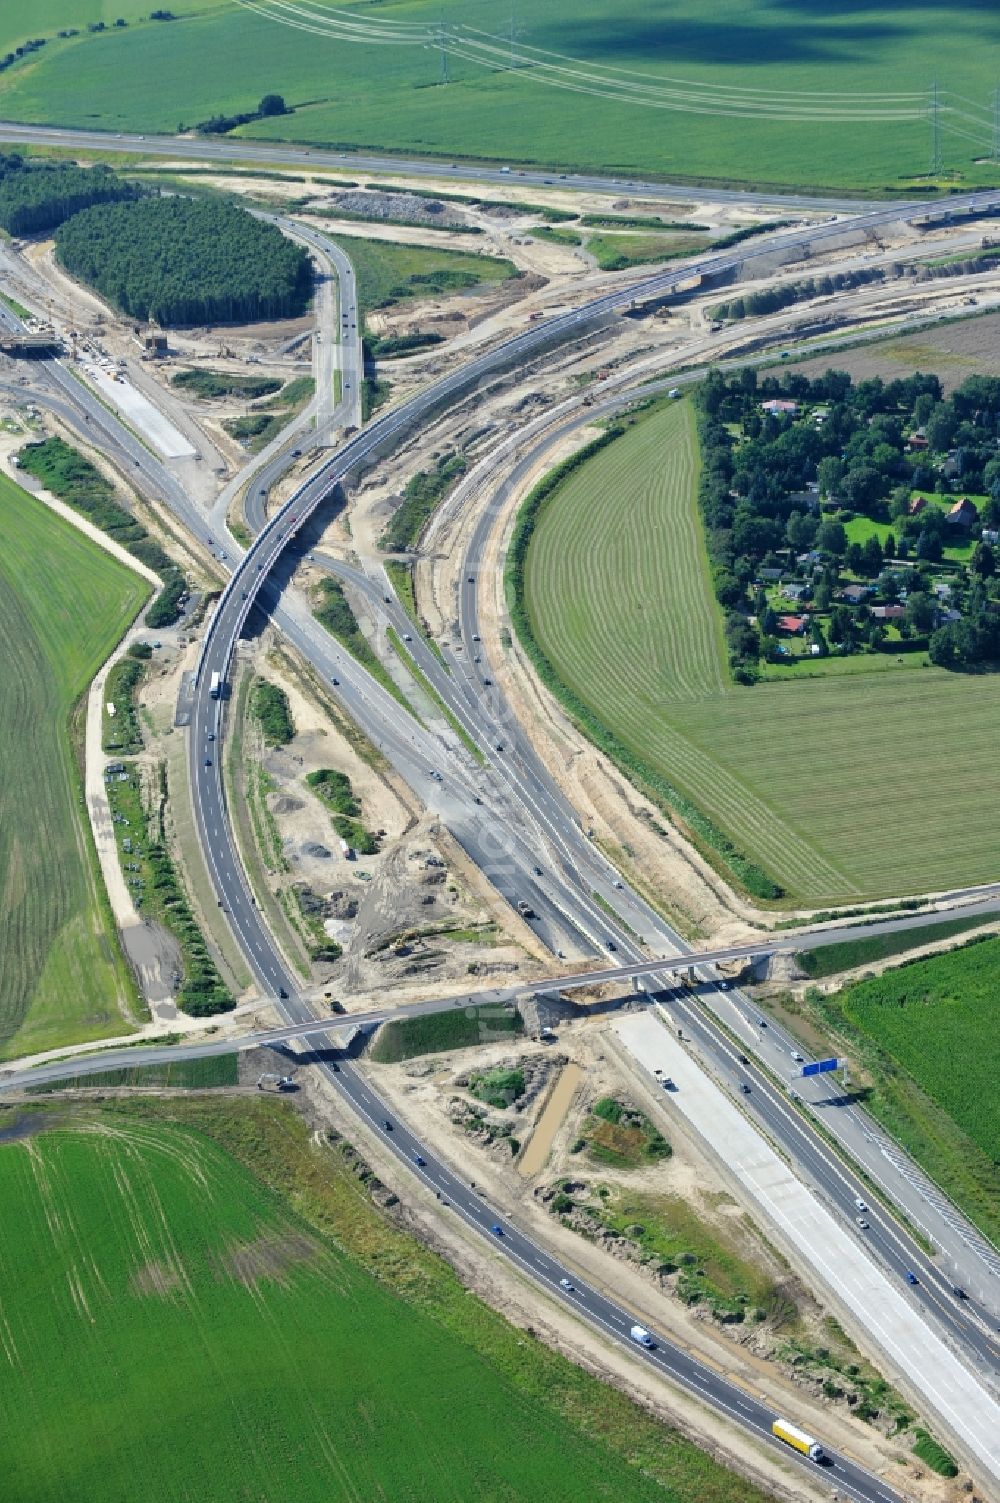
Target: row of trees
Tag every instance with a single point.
(220, 125)
(183, 261)
(69, 475)
(38, 196)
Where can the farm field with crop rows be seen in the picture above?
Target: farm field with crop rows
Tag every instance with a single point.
(799, 93)
(189, 1328)
(839, 787)
(63, 605)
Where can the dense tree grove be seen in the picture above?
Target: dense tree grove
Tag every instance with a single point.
(38, 196)
(782, 484)
(186, 261)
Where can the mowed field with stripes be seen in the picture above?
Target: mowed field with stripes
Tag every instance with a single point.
(850, 786)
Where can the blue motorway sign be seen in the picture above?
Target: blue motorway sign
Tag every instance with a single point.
(820, 1067)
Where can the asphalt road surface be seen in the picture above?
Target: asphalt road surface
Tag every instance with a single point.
(279, 155)
(230, 616)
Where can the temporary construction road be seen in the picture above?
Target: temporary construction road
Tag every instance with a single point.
(249, 576)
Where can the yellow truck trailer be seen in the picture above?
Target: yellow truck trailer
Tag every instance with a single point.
(797, 1439)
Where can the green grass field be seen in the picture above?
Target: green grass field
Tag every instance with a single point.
(464, 1028)
(241, 1341)
(840, 787)
(63, 606)
(218, 56)
(182, 1074)
(926, 1035)
(388, 273)
(616, 251)
(830, 960)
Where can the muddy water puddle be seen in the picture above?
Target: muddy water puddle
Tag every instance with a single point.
(549, 1123)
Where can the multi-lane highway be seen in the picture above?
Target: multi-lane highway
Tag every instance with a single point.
(278, 154)
(251, 576)
(247, 579)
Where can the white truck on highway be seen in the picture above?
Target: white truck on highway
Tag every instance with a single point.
(215, 686)
(640, 1335)
(798, 1440)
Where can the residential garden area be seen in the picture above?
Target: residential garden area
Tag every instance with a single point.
(852, 521)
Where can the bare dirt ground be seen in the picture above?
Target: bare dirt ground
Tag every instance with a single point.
(431, 1098)
(953, 351)
(410, 918)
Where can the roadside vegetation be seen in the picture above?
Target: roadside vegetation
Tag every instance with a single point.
(462, 1028)
(375, 392)
(926, 1049)
(676, 1244)
(138, 816)
(830, 960)
(201, 382)
(121, 732)
(617, 252)
(334, 789)
(333, 611)
(265, 1230)
(444, 710)
(186, 261)
(388, 273)
(266, 420)
(618, 1134)
(69, 475)
(269, 704)
(422, 495)
(499, 1088)
(395, 346)
(64, 605)
(934, 1455)
(217, 1070)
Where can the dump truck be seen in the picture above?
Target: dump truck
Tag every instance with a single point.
(797, 1439)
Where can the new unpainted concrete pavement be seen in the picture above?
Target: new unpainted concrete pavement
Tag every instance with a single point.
(950, 1392)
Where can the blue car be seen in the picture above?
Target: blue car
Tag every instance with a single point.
(419, 1161)
(497, 1229)
(911, 1278)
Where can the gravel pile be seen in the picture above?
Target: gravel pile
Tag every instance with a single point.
(389, 206)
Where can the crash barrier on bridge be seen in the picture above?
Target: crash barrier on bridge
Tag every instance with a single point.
(507, 360)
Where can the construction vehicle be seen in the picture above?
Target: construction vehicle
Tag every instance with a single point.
(280, 1082)
(798, 1440)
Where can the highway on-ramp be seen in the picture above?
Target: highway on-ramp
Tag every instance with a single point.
(251, 574)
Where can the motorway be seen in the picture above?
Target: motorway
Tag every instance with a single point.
(250, 574)
(227, 623)
(276, 154)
